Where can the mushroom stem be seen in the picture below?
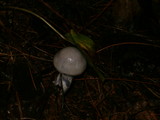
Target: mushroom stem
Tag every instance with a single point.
(63, 81)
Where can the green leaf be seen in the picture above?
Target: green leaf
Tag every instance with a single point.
(82, 41)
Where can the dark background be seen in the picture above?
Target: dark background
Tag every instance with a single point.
(127, 38)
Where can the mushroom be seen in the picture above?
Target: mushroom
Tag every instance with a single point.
(69, 62)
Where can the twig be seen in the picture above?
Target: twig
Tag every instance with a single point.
(127, 43)
(38, 16)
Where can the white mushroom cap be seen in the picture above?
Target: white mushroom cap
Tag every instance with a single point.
(70, 61)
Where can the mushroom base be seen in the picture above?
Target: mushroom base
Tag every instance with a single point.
(63, 81)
